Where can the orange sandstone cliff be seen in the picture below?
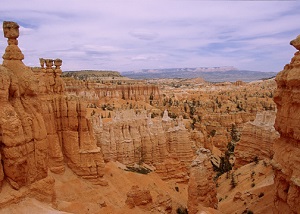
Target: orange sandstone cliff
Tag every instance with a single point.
(40, 127)
(287, 148)
(132, 138)
(257, 139)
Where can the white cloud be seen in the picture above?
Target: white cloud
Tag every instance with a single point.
(143, 34)
(125, 35)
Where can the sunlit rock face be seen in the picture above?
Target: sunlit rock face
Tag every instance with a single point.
(287, 148)
(24, 136)
(257, 139)
(132, 137)
(41, 128)
(93, 90)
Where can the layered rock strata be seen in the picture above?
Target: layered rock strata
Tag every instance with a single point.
(257, 139)
(93, 91)
(135, 138)
(287, 148)
(201, 187)
(138, 197)
(142, 198)
(23, 130)
(220, 123)
(40, 126)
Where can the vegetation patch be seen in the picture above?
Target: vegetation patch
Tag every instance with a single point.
(138, 169)
(181, 210)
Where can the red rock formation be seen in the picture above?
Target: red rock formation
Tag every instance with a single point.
(221, 123)
(135, 138)
(143, 199)
(40, 126)
(24, 135)
(138, 197)
(287, 148)
(201, 188)
(257, 140)
(79, 144)
(93, 91)
(163, 204)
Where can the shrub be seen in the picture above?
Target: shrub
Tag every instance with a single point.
(261, 194)
(233, 181)
(141, 170)
(181, 210)
(247, 212)
(255, 159)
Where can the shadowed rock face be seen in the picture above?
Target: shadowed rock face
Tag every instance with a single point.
(201, 189)
(287, 148)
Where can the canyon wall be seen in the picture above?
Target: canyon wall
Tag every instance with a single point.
(220, 124)
(257, 139)
(287, 148)
(94, 90)
(41, 128)
(132, 137)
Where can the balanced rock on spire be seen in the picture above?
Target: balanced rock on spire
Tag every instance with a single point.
(11, 32)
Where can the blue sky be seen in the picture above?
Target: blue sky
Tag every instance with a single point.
(129, 35)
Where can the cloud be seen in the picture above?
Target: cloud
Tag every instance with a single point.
(131, 35)
(143, 34)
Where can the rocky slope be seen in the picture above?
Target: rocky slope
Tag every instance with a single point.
(257, 139)
(247, 189)
(286, 148)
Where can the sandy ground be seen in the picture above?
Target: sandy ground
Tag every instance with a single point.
(253, 191)
(79, 196)
(30, 206)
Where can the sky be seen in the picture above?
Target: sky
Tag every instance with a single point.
(127, 35)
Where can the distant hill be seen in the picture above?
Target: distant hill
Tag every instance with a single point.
(91, 74)
(215, 74)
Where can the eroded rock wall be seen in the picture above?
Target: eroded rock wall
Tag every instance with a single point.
(286, 159)
(257, 139)
(24, 136)
(41, 128)
(220, 123)
(93, 91)
(201, 187)
(135, 138)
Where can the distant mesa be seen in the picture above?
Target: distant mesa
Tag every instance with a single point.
(210, 74)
